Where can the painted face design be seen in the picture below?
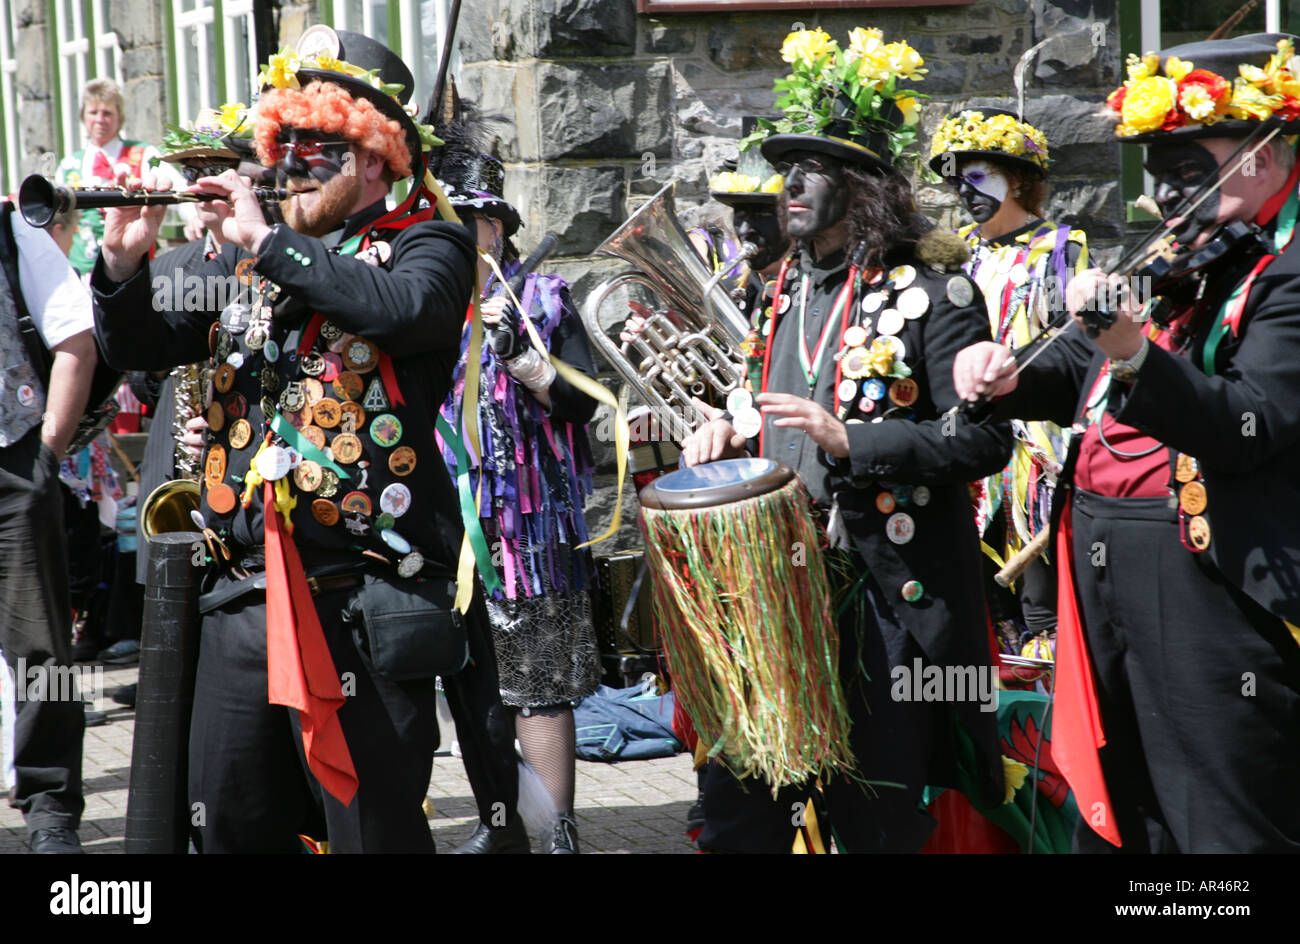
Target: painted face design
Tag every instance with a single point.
(308, 156)
(1179, 169)
(761, 225)
(818, 197)
(983, 187)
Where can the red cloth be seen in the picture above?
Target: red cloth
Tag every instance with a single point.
(1077, 732)
(299, 669)
(1101, 472)
(102, 169)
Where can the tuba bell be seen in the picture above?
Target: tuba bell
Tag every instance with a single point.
(692, 340)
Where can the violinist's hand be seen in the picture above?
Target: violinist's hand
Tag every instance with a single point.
(1090, 288)
(716, 439)
(130, 231)
(813, 418)
(984, 369)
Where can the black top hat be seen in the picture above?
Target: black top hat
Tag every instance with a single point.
(1222, 57)
(368, 54)
(470, 176)
(997, 157)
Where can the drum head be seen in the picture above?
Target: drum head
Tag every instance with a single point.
(716, 483)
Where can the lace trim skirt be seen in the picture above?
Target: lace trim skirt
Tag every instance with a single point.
(546, 649)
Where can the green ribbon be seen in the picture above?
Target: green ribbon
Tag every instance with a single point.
(1286, 223)
(468, 509)
(290, 434)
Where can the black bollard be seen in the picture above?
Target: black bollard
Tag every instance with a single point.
(157, 805)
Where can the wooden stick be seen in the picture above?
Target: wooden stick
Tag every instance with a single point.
(1023, 558)
(130, 466)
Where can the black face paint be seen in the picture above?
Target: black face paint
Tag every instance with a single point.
(982, 189)
(306, 154)
(1179, 169)
(818, 197)
(761, 226)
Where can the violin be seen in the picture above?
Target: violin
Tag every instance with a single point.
(1159, 258)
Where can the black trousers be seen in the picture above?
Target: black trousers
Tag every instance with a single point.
(891, 740)
(35, 626)
(484, 726)
(1199, 689)
(250, 789)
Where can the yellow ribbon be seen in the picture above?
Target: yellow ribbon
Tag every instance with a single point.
(582, 382)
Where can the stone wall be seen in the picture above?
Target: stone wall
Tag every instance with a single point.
(38, 114)
(610, 105)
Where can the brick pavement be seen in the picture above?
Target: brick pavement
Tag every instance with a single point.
(634, 807)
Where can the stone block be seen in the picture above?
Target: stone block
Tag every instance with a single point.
(142, 61)
(665, 38)
(30, 79)
(586, 110)
(146, 107)
(965, 44)
(474, 31)
(1096, 206)
(492, 86)
(581, 27)
(136, 24)
(744, 45)
(580, 204)
(1080, 135)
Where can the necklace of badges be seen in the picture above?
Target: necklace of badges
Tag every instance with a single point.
(322, 399)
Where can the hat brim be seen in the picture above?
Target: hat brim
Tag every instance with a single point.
(495, 207)
(201, 153)
(996, 157)
(733, 199)
(1234, 128)
(390, 108)
(776, 146)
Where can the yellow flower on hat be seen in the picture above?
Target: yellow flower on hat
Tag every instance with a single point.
(730, 182)
(1141, 68)
(910, 108)
(903, 60)
(1198, 104)
(773, 184)
(1250, 102)
(808, 47)
(233, 115)
(1177, 69)
(281, 71)
(1148, 102)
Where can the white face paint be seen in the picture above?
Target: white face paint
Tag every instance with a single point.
(987, 179)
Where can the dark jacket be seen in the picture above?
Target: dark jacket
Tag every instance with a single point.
(1242, 424)
(412, 308)
(944, 454)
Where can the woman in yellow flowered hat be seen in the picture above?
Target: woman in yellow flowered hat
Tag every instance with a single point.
(1021, 262)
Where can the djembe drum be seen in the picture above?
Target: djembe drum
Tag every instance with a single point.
(743, 605)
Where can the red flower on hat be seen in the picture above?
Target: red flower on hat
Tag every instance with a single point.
(1115, 100)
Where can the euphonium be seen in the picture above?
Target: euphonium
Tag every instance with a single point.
(168, 506)
(692, 339)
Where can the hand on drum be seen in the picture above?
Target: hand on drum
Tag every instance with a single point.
(984, 369)
(801, 413)
(716, 439)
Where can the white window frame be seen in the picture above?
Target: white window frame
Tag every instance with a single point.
(232, 11)
(202, 16)
(72, 51)
(12, 156)
(106, 42)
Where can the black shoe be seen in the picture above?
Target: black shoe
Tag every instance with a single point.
(126, 695)
(503, 840)
(85, 649)
(56, 840)
(563, 837)
(695, 815)
(95, 718)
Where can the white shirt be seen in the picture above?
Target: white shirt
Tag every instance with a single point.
(58, 302)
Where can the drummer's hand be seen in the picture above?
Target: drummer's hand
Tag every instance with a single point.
(984, 369)
(196, 429)
(716, 439)
(801, 413)
(130, 232)
(242, 221)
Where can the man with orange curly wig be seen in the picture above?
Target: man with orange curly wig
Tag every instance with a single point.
(332, 526)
